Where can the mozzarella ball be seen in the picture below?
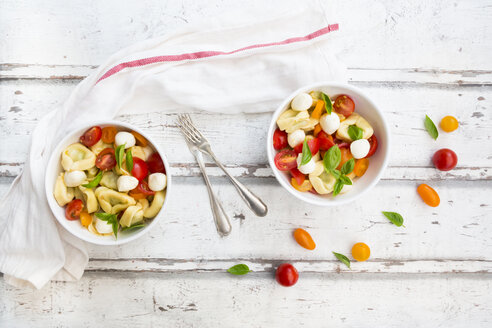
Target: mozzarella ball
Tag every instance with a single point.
(126, 183)
(306, 168)
(360, 148)
(296, 138)
(124, 138)
(103, 226)
(157, 181)
(301, 102)
(74, 178)
(330, 122)
(346, 188)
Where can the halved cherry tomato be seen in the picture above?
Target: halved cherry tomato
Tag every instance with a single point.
(155, 164)
(286, 160)
(303, 187)
(140, 139)
(346, 155)
(325, 140)
(135, 193)
(373, 142)
(73, 210)
(108, 134)
(286, 275)
(361, 166)
(361, 252)
(313, 145)
(279, 139)
(85, 218)
(344, 105)
(340, 143)
(143, 188)
(445, 159)
(304, 239)
(139, 169)
(105, 160)
(298, 176)
(91, 136)
(429, 195)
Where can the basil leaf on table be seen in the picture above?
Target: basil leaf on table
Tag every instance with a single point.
(348, 167)
(306, 153)
(332, 158)
(354, 132)
(110, 219)
(328, 104)
(119, 154)
(395, 218)
(431, 127)
(94, 181)
(342, 258)
(338, 187)
(129, 161)
(239, 269)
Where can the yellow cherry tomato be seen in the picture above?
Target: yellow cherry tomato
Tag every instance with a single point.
(429, 195)
(361, 252)
(85, 218)
(361, 166)
(305, 186)
(304, 239)
(449, 123)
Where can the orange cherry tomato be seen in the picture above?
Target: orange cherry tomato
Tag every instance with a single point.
(361, 166)
(428, 195)
(317, 130)
(108, 134)
(449, 123)
(85, 218)
(141, 141)
(304, 239)
(361, 252)
(318, 110)
(346, 155)
(135, 193)
(305, 186)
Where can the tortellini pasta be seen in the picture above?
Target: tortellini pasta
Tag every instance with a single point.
(92, 172)
(322, 181)
(138, 151)
(132, 215)
(311, 124)
(77, 157)
(89, 198)
(99, 146)
(357, 120)
(112, 201)
(109, 180)
(123, 170)
(63, 194)
(156, 205)
(291, 120)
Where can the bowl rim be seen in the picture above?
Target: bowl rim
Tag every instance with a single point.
(54, 157)
(321, 201)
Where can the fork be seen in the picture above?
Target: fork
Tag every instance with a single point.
(198, 140)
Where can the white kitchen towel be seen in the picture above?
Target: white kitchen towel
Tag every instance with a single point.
(242, 62)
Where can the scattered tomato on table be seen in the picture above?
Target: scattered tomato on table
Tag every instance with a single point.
(304, 239)
(361, 252)
(449, 123)
(428, 195)
(445, 159)
(286, 275)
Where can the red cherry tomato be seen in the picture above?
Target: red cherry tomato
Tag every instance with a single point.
(105, 160)
(143, 188)
(325, 140)
(344, 105)
(313, 145)
(296, 174)
(279, 139)
(73, 210)
(139, 169)
(445, 159)
(91, 136)
(286, 160)
(341, 144)
(155, 164)
(373, 142)
(286, 275)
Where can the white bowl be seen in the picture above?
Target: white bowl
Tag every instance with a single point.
(75, 227)
(377, 163)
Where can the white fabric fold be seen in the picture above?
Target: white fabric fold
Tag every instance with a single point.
(231, 64)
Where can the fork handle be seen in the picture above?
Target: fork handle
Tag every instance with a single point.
(253, 201)
(221, 219)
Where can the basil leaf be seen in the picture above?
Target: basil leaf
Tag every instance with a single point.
(354, 132)
(119, 153)
(105, 216)
(345, 180)
(110, 219)
(328, 104)
(306, 153)
(239, 269)
(332, 158)
(94, 181)
(129, 161)
(342, 258)
(348, 167)
(336, 173)
(133, 227)
(395, 218)
(431, 127)
(338, 187)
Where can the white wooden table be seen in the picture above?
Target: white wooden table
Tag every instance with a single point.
(415, 58)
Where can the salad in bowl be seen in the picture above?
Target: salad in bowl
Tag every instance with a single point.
(109, 182)
(323, 140)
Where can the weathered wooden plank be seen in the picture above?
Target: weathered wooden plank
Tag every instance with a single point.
(212, 299)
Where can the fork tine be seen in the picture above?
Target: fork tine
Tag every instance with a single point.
(186, 131)
(193, 127)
